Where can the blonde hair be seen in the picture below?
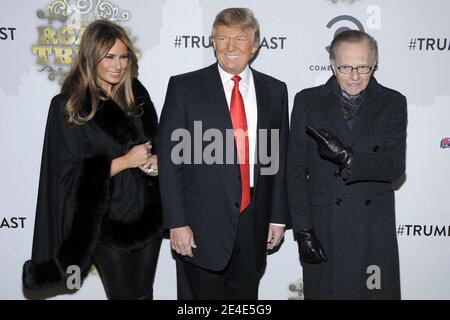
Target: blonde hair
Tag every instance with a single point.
(98, 38)
(240, 17)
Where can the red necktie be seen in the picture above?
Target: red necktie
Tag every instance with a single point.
(240, 129)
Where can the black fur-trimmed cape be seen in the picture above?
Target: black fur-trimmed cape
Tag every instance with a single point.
(75, 190)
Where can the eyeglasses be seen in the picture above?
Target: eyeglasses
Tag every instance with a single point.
(360, 69)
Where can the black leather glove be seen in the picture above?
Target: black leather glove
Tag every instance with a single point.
(309, 248)
(330, 147)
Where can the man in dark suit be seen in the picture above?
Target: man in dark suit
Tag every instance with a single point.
(223, 201)
(346, 146)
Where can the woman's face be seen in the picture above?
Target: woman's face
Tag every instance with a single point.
(112, 66)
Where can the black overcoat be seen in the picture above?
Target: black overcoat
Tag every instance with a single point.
(354, 216)
(78, 202)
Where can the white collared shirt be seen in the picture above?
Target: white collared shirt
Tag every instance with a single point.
(248, 92)
(247, 89)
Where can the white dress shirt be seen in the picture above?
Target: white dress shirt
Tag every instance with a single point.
(247, 89)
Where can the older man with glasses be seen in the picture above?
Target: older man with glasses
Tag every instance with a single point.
(346, 148)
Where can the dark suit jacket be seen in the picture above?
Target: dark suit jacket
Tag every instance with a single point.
(206, 197)
(354, 219)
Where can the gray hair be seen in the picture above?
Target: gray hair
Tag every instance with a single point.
(354, 36)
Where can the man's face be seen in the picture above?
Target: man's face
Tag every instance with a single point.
(353, 55)
(234, 48)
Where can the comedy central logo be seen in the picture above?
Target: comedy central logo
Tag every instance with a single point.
(346, 22)
(66, 21)
(338, 24)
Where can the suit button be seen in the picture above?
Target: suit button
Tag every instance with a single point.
(237, 204)
(239, 177)
(376, 148)
(338, 201)
(336, 174)
(367, 202)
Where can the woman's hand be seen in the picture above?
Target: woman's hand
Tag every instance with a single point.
(137, 157)
(151, 166)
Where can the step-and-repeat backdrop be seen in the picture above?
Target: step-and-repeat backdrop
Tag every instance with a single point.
(39, 38)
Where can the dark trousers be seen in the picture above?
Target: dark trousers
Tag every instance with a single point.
(238, 281)
(128, 274)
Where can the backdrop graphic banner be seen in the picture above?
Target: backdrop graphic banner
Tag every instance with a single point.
(39, 39)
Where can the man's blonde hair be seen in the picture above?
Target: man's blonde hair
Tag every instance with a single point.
(237, 17)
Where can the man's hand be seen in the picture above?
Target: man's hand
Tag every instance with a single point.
(330, 147)
(309, 248)
(276, 234)
(182, 240)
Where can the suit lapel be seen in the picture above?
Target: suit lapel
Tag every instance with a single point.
(330, 107)
(213, 90)
(369, 109)
(217, 102)
(263, 106)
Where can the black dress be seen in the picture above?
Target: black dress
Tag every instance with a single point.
(83, 211)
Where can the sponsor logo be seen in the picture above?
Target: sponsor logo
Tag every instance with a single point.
(345, 22)
(58, 41)
(350, 23)
(445, 143)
